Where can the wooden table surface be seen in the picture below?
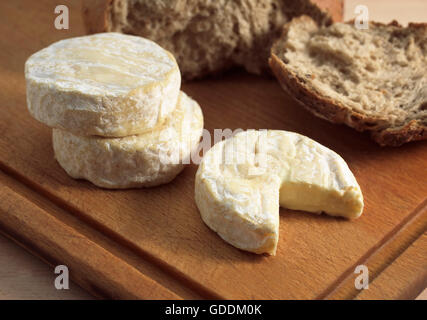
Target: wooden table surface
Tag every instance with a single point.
(23, 276)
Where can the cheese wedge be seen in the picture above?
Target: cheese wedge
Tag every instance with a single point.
(242, 181)
(107, 84)
(144, 160)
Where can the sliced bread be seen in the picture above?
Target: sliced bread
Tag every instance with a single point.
(373, 79)
(207, 36)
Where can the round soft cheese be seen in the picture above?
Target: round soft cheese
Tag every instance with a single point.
(107, 84)
(144, 160)
(242, 181)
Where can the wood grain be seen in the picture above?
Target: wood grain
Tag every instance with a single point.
(405, 277)
(150, 270)
(86, 260)
(156, 235)
(422, 295)
(408, 232)
(22, 276)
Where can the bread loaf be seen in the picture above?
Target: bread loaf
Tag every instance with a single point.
(207, 36)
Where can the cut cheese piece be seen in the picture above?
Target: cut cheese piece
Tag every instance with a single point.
(144, 160)
(241, 182)
(107, 84)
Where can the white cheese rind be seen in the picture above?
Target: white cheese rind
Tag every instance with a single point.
(107, 84)
(241, 182)
(144, 160)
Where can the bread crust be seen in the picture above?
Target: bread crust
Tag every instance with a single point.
(250, 50)
(335, 112)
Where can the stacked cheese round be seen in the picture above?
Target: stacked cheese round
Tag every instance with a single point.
(115, 104)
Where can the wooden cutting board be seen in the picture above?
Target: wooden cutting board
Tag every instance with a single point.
(151, 243)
